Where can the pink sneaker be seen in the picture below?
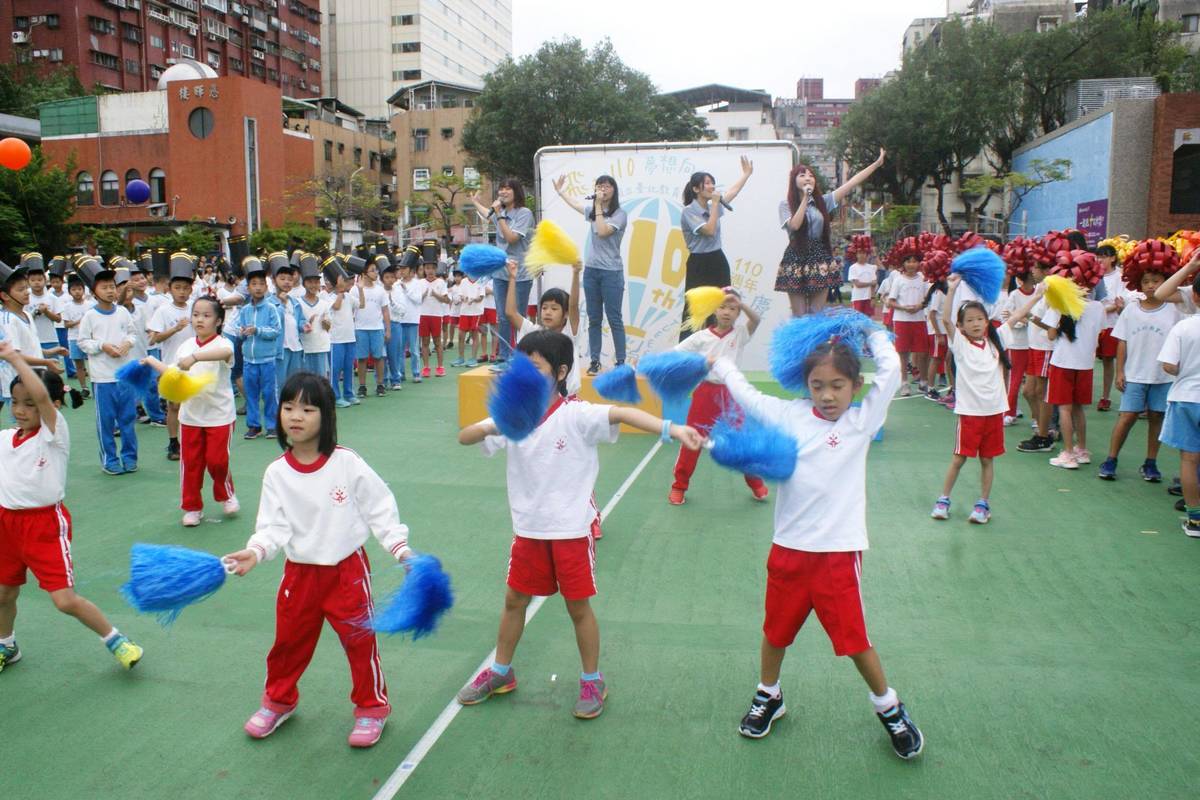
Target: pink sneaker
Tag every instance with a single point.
(264, 722)
(1065, 460)
(441, 372)
(366, 731)
(1082, 456)
(425, 372)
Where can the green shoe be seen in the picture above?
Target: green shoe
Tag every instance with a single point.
(126, 652)
(9, 655)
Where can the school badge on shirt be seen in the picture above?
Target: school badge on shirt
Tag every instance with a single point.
(339, 495)
(560, 445)
(833, 440)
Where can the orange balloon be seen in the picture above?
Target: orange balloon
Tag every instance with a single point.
(14, 153)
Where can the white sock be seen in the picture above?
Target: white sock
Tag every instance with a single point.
(885, 701)
(772, 690)
(108, 637)
(10, 640)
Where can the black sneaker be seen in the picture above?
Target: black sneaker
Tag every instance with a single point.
(593, 368)
(932, 394)
(362, 391)
(1180, 505)
(380, 391)
(172, 451)
(907, 740)
(764, 710)
(1036, 444)
(1176, 488)
(1192, 528)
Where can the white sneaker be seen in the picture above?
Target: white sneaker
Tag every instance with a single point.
(905, 390)
(1065, 460)
(231, 506)
(192, 518)
(1009, 421)
(1082, 456)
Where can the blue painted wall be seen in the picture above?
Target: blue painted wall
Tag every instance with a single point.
(1052, 207)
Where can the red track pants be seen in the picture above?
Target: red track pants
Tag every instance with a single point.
(202, 449)
(310, 594)
(1019, 360)
(708, 402)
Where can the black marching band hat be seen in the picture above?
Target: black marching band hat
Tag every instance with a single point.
(182, 266)
(10, 274)
(430, 251)
(279, 261)
(383, 262)
(332, 268)
(310, 266)
(90, 269)
(411, 257)
(253, 265)
(161, 262)
(121, 268)
(239, 249)
(356, 265)
(33, 262)
(58, 266)
(144, 263)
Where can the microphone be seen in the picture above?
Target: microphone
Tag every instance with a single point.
(726, 206)
(589, 197)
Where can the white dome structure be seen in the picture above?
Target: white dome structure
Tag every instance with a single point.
(186, 70)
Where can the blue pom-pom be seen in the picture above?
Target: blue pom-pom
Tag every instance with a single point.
(418, 605)
(674, 373)
(746, 445)
(136, 375)
(481, 260)
(983, 271)
(619, 383)
(519, 398)
(165, 579)
(795, 340)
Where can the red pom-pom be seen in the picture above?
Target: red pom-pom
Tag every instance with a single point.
(936, 265)
(1149, 255)
(1019, 255)
(860, 243)
(1078, 265)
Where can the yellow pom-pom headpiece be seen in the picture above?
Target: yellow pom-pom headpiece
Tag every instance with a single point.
(702, 303)
(1065, 296)
(550, 245)
(178, 386)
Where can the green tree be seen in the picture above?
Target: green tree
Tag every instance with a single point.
(566, 94)
(1019, 184)
(192, 237)
(107, 241)
(344, 195)
(307, 237)
(24, 86)
(36, 204)
(442, 203)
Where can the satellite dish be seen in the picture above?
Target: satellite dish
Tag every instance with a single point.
(186, 70)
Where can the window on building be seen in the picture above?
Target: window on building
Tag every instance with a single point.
(358, 156)
(410, 47)
(21, 23)
(133, 66)
(110, 188)
(373, 159)
(105, 60)
(131, 33)
(1191, 23)
(411, 75)
(131, 175)
(1048, 22)
(420, 179)
(200, 122)
(158, 186)
(55, 54)
(156, 41)
(85, 189)
(447, 133)
(52, 21)
(328, 150)
(236, 65)
(1185, 180)
(101, 25)
(739, 134)
(420, 139)
(341, 148)
(448, 171)
(186, 50)
(471, 177)
(403, 19)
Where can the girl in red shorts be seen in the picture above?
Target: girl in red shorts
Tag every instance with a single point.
(551, 475)
(815, 562)
(906, 299)
(980, 352)
(35, 526)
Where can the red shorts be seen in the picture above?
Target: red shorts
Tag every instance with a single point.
(447, 321)
(549, 566)
(911, 337)
(887, 317)
(37, 540)
(1038, 363)
(489, 316)
(429, 326)
(799, 582)
(467, 324)
(1106, 347)
(938, 345)
(1069, 387)
(863, 307)
(979, 436)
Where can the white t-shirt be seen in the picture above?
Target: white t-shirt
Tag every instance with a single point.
(489, 298)
(1038, 338)
(317, 339)
(291, 329)
(711, 343)
(864, 273)
(35, 468)
(368, 311)
(61, 298)
(99, 328)
(979, 389)
(41, 323)
(1081, 353)
(966, 294)
(552, 472)
(342, 318)
(1013, 302)
(472, 298)
(230, 326)
(406, 301)
(1144, 333)
(1114, 288)
(73, 312)
(431, 306)
(934, 310)
(908, 291)
(1182, 347)
(885, 286)
(163, 320)
(213, 406)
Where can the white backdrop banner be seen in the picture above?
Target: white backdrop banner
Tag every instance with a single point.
(651, 178)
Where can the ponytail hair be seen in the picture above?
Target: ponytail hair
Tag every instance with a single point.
(1066, 326)
(939, 286)
(992, 336)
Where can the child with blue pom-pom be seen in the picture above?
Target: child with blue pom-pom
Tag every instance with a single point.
(551, 475)
(815, 562)
(35, 526)
(711, 398)
(319, 504)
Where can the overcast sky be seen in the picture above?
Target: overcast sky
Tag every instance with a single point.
(751, 44)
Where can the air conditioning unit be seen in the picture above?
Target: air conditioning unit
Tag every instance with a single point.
(157, 210)
(20, 37)
(422, 106)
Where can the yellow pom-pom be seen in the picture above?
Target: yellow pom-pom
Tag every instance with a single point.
(1065, 296)
(702, 303)
(178, 386)
(550, 245)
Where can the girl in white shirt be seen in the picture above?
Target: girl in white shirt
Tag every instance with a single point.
(1114, 301)
(821, 523)
(36, 524)
(205, 420)
(551, 476)
(319, 504)
(1070, 382)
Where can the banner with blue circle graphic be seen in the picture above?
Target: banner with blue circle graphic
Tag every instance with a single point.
(651, 179)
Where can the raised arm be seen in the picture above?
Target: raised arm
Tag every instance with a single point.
(573, 298)
(1166, 290)
(747, 170)
(840, 193)
(559, 183)
(32, 383)
(948, 307)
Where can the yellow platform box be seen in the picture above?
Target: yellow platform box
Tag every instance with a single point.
(474, 385)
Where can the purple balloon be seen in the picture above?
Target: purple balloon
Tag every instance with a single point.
(137, 192)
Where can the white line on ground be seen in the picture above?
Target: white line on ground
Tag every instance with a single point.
(413, 760)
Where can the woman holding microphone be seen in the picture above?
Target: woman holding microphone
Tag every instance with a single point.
(808, 269)
(703, 207)
(514, 228)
